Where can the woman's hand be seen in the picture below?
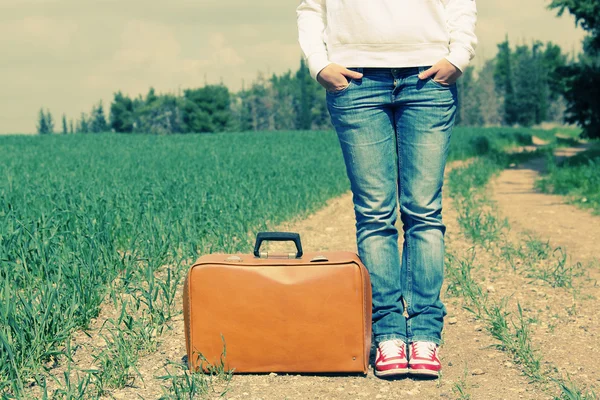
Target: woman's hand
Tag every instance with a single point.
(333, 77)
(443, 72)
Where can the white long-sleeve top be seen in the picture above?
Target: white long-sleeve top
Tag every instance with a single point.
(386, 33)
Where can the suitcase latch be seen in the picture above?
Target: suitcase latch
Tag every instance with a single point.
(234, 259)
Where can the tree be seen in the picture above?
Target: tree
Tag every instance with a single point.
(207, 109)
(503, 78)
(43, 126)
(97, 121)
(490, 104)
(525, 77)
(552, 60)
(82, 124)
(122, 113)
(164, 115)
(240, 111)
(49, 122)
(283, 88)
(582, 94)
(469, 105)
(581, 79)
(305, 99)
(64, 124)
(587, 15)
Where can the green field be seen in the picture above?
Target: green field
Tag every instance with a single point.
(578, 177)
(84, 218)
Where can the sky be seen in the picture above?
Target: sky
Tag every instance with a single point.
(66, 55)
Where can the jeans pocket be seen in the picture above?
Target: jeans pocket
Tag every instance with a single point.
(351, 82)
(436, 83)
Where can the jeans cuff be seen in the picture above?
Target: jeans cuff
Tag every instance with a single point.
(435, 340)
(383, 338)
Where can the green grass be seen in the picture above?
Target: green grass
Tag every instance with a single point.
(564, 135)
(472, 142)
(86, 219)
(577, 177)
(78, 211)
(461, 388)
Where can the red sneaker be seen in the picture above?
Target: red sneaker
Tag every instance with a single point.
(424, 359)
(391, 358)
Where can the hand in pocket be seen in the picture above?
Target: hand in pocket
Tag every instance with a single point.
(443, 72)
(335, 77)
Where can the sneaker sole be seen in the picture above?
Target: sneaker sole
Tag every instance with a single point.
(397, 371)
(423, 371)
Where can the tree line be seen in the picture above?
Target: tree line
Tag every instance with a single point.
(285, 102)
(522, 85)
(517, 87)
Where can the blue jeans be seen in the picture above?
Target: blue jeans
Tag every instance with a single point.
(394, 131)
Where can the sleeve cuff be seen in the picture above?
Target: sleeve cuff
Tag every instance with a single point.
(459, 57)
(316, 62)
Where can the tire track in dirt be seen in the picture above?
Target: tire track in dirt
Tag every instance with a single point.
(577, 230)
(566, 326)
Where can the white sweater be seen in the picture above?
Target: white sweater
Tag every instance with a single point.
(386, 33)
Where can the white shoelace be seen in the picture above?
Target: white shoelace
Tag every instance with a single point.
(424, 349)
(392, 348)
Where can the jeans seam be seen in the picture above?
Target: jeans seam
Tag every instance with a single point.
(409, 300)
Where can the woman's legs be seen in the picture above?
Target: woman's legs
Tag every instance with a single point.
(394, 132)
(363, 119)
(424, 118)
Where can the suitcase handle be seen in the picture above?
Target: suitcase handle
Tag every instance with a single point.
(278, 236)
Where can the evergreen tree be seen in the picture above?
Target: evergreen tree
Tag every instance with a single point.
(241, 111)
(122, 113)
(42, 126)
(97, 123)
(503, 78)
(82, 124)
(49, 122)
(552, 60)
(207, 109)
(469, 112)
(490, 104)
(525, 80)
(305, 100)
(541, 83)
(64, 123)
(525, 87)
(71, 130)
(283, 87)
(151, 96)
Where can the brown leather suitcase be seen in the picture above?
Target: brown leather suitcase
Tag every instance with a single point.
(278, 312)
